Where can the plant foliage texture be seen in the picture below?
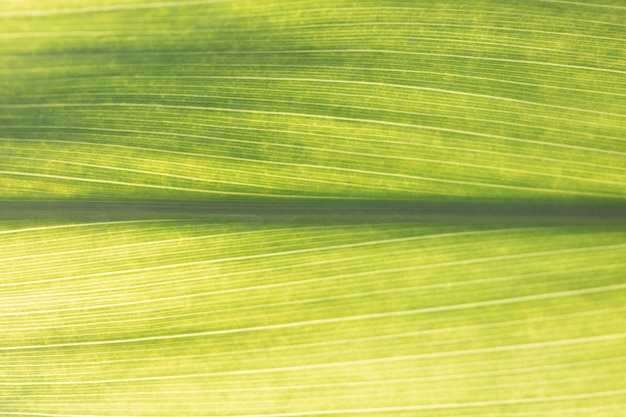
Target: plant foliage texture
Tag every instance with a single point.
(290, 208)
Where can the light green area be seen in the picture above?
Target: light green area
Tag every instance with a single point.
(220, 208)
(173, 318)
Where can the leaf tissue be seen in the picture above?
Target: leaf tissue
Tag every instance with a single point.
(290, 208)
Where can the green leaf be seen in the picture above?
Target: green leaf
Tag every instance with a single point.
(395, 99)
(293, 208)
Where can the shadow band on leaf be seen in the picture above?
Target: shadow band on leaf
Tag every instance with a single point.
(486, 212)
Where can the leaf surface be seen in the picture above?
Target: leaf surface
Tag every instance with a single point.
(292, 208)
